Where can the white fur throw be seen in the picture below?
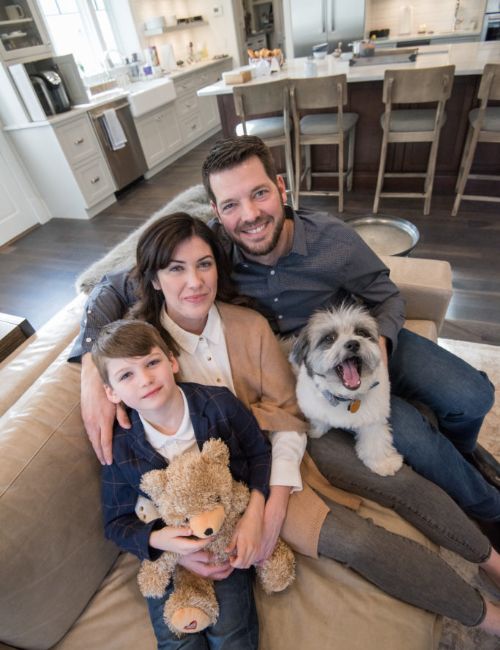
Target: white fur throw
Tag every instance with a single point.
(194, 201)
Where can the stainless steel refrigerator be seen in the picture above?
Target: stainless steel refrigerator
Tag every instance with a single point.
(325, 21)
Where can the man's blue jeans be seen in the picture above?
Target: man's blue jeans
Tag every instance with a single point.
(237, 627)
(460, 397)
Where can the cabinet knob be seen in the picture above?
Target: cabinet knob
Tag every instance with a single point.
(95, 180)
(79, 141)
(158, 118)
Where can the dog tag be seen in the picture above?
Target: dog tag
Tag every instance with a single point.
(354, 406)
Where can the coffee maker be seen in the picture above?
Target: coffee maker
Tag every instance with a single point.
(50, 90)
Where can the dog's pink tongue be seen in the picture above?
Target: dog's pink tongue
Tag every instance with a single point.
(350, 374)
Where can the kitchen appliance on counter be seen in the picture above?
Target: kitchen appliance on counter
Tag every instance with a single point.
(126, 162)
(329, 21)
(51, 92)
(491, 21)
(47, 86)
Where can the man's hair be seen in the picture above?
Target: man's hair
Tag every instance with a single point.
(123, 339)
(231, 152)
(155, 249)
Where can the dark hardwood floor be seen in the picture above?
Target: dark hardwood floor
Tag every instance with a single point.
(38, 270)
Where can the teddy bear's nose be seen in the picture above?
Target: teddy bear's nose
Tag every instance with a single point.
(209, 531)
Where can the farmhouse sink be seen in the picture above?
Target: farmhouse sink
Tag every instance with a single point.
(145, 96)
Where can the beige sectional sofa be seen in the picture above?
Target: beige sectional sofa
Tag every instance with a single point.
(62, 585)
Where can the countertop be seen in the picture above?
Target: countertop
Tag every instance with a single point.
(425, 36)
(111, 96)
(468, 58)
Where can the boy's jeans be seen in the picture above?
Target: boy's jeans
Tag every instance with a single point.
(237, 627)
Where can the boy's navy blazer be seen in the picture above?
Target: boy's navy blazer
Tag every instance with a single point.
(215, 413)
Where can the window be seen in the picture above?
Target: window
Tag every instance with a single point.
(82, 28)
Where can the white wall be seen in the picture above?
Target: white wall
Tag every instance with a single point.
(437, 15)
(218, 37)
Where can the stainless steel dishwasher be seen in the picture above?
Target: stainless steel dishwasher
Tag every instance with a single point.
(127, 163)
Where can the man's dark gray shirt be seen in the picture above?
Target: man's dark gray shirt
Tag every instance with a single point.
(327, 263)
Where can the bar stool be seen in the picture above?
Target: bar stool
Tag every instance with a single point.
(413, 125)
(484, 126)
(262, 98)
(319, 93)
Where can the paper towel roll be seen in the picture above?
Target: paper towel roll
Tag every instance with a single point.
(406, 19)
(167, 57)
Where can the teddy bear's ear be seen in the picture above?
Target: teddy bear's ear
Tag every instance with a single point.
(154, 483)
(216, 450)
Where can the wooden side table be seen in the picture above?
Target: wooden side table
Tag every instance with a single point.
(13, 331)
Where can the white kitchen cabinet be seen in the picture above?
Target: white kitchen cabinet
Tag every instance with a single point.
(173, 129)
(159, 135)
(64, 159)
(23, 34)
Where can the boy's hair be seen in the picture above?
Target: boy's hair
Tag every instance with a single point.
(123, 339)
(231, 152)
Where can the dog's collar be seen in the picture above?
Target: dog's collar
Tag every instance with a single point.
(335, 400)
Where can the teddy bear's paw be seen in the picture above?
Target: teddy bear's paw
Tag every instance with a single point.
(278, 572)
(189, 620)
(153, 578)
(192, 606)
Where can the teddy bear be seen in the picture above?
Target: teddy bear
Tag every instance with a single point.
(197, 490)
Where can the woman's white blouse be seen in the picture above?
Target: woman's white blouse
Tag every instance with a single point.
(203, 359)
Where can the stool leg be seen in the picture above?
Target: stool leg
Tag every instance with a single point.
(468, 157)
(297, 169)
(308, 167)
(429, 177)
(464, 156)
(350, 158)
(341, 172)
(289, 169)
(381, 171)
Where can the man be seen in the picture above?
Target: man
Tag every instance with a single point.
(293, 263)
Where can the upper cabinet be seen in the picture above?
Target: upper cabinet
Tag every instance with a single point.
(22, 31)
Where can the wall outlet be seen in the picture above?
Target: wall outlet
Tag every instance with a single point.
(217, 11)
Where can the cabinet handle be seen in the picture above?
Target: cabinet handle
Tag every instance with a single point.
(95, 180)
(79, 141)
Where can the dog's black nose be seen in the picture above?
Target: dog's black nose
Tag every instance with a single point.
(209, 531)
(352, 346)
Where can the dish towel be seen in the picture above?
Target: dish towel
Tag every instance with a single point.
(114, 129)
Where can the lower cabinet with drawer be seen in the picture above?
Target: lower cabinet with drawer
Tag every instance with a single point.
(65, 161)
(170, 131)
(159, 134)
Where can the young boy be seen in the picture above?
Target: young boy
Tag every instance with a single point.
(169, 419)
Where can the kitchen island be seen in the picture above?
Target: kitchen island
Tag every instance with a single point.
(365, 98)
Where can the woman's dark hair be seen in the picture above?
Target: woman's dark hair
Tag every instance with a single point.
(155, 249)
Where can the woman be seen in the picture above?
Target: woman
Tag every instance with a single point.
(183, 286)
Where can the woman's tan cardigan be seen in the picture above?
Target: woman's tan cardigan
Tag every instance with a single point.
(264, 381)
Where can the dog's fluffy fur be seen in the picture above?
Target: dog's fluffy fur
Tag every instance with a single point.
(337, 355)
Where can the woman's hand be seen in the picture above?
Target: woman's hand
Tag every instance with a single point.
(176, 540)
(98, 413)
(274, 516)
(201, 563)
(247, 537)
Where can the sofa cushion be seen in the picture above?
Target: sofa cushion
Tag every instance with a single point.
(54, 554)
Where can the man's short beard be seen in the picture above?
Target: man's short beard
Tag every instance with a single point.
(272, 244)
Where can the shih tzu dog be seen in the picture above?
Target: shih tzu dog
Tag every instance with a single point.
(343, 383)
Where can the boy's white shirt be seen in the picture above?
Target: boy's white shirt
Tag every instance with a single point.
(182, 441)
(204, 360)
